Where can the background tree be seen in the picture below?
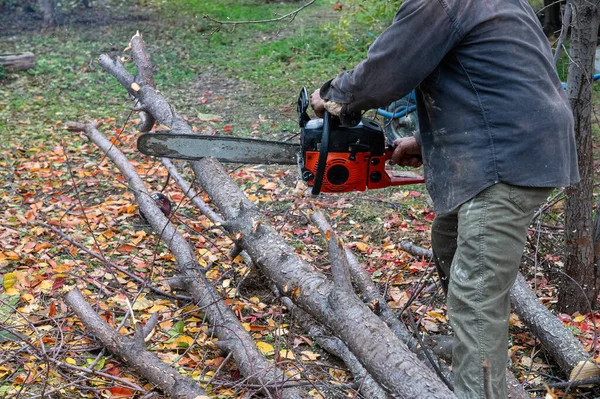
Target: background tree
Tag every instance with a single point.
(48, 9)
(579, 289)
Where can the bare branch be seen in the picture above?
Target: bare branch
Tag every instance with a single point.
(290, 15)
(136, 355)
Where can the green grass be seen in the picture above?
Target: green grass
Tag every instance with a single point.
(276, 58)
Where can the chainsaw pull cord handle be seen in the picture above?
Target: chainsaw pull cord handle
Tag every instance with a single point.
(323, 153)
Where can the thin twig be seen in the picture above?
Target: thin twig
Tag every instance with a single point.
(290, 15)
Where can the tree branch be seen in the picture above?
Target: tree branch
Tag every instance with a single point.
(136, 355)
(290, 15)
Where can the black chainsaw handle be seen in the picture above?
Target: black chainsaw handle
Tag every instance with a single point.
(323, 153)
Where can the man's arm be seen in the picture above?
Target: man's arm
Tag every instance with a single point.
(422, 33)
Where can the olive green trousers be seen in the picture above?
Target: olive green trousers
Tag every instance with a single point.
(477, 250)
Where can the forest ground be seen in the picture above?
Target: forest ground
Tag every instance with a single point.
(243, 82)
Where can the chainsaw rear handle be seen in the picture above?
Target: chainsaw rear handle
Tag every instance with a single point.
(390, 150)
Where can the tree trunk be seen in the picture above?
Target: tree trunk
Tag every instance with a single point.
(551, 17)
(48, 9)
(227, 328)
(578, 289)
(17, 62)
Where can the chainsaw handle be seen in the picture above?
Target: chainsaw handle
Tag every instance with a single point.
(390, 150)
(323, 153)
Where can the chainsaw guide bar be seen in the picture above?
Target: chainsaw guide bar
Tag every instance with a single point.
(223, 148)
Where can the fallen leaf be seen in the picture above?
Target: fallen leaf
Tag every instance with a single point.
(142, 303)
(126, 249)
(265, 348)
(120, 392)
(362, 247)
(286, 354)
(46, 286)
(9, 280)
(183, 342)
(71, 361)
(308, 355)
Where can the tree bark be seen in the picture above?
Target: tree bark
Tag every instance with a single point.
(384, 356)
(333, 345)
(134, 352)
(578, 289)
(17, 62)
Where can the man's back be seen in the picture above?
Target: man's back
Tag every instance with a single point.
(491, 106)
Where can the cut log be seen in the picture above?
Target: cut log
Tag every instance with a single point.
(17, 62)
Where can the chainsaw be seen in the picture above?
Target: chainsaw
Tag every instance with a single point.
(331, 158)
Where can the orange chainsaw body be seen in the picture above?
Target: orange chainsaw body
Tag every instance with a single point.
(364, 172)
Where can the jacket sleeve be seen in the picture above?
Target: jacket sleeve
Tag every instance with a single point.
(422, 33)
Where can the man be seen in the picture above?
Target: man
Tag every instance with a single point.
(496, 135)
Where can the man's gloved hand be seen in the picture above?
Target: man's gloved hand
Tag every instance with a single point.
(317, 103)
(407, 152)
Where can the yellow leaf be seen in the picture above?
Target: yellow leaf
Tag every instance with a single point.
(265, 348)
(308, 355)
(388, 246)
(46, 286)
(255, 300)
(363, 247)
(157, 308)
(579, 319)
(287, 354)
(182, 342)
(4, 371)
(139, 236)
(9, 280)
(12, 292)
(28, 297)
(142, 303)
(438, 316)
(247, 327)
(296, 293)
(71, 361)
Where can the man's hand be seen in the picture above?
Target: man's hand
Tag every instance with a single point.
(407, 152)
(317, 103)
